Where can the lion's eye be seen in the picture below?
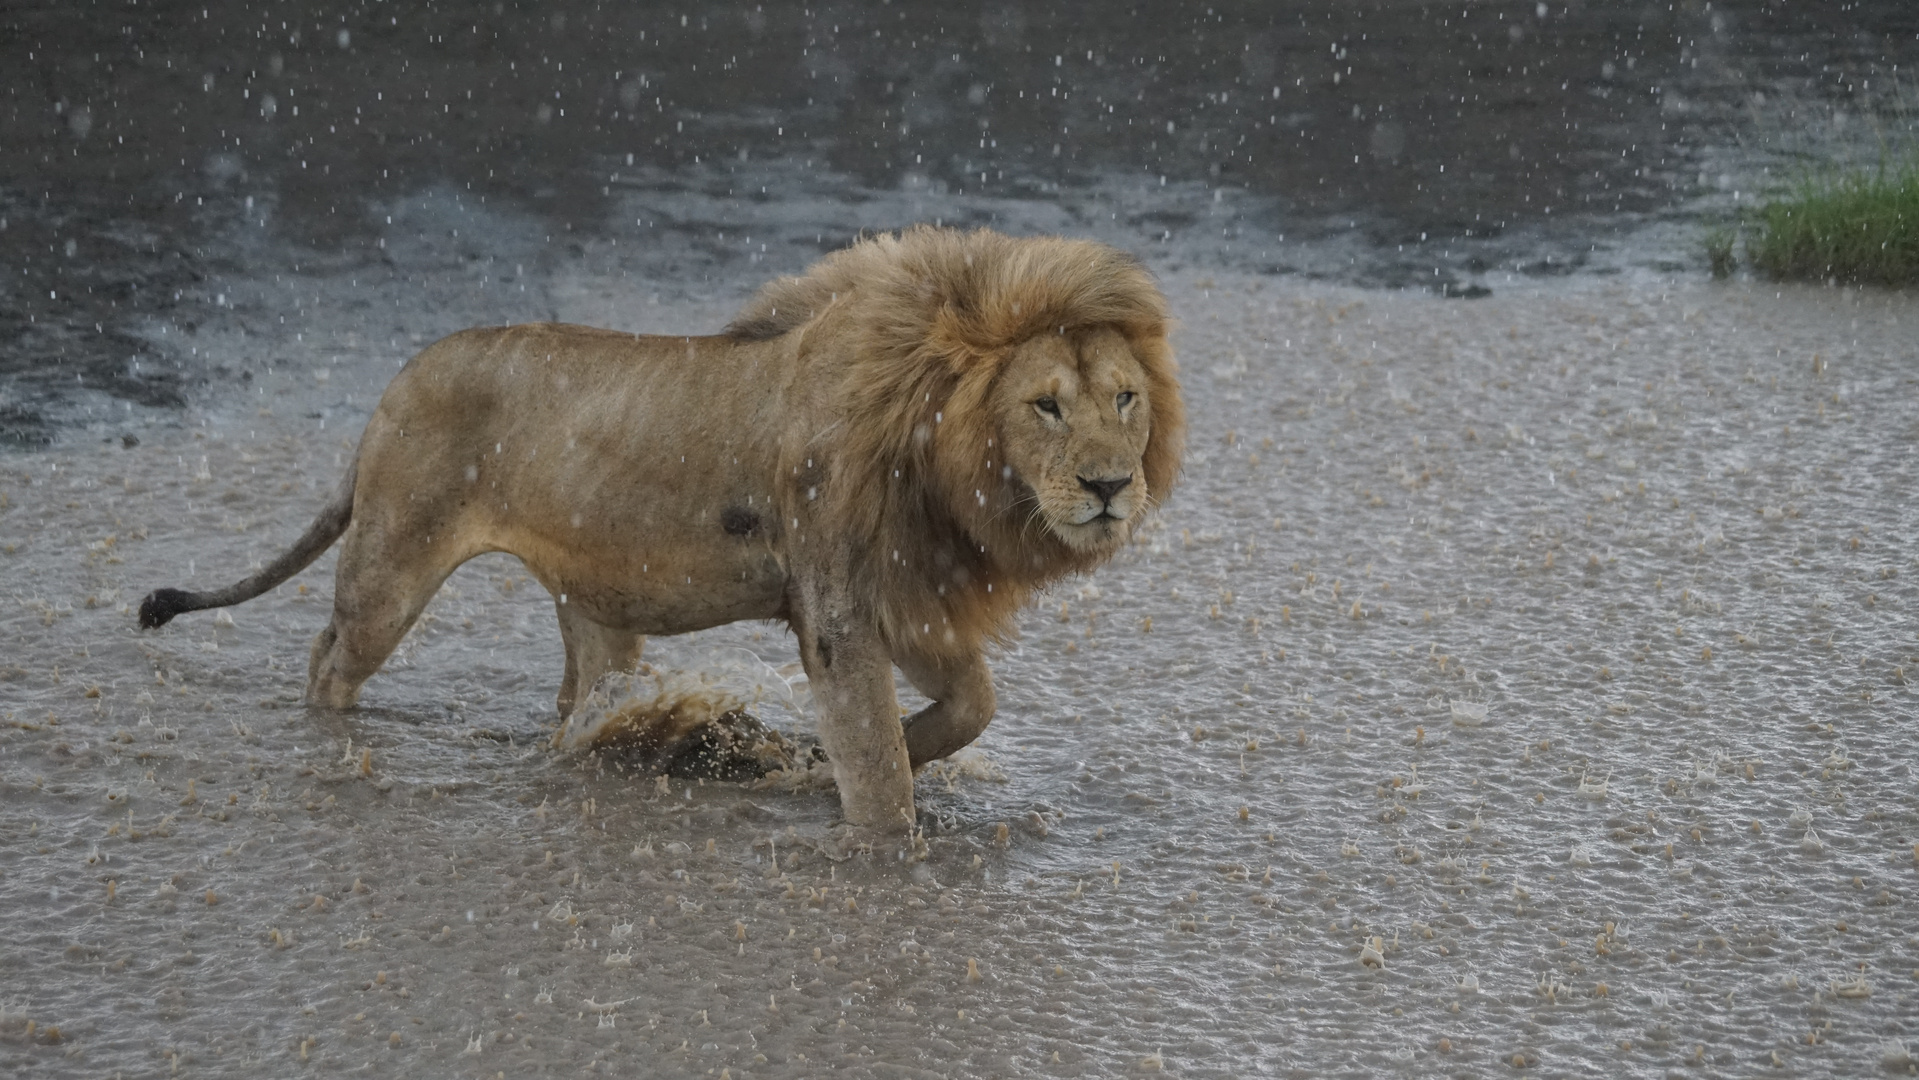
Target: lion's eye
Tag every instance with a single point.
(1124, 399)
(1048, 406)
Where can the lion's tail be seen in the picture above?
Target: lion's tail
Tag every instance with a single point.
(161, 605)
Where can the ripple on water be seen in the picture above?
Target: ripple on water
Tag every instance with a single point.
(1526, 676)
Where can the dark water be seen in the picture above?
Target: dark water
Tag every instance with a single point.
(1397, 143)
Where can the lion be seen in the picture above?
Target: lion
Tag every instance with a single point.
(889, 453)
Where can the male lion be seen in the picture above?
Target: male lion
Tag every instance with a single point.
(889, 453)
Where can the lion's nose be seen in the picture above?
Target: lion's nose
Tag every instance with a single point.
(1105, 489)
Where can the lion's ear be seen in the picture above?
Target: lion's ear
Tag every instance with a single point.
(1166, 443)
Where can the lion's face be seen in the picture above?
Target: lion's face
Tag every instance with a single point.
(1075, 416)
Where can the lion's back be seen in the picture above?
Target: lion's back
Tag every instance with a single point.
(513, 429)
(550, 372)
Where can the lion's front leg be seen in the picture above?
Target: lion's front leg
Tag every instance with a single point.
(852, 681)
(963, 702)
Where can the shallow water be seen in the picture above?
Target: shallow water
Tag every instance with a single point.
(1397, 143)
(1660, 531)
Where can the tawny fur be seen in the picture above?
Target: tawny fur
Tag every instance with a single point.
(926, 318)
(889, 453)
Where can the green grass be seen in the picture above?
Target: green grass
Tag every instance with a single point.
(1859, 226)
(1719, 253)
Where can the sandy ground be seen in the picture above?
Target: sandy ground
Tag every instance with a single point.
(1523, 680)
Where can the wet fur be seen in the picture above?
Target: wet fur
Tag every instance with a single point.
(928, 318)
(837, 459)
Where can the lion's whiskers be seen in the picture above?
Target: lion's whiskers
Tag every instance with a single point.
(997, 514)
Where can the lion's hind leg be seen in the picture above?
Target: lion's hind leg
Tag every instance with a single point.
(384, 580)
(592, 650)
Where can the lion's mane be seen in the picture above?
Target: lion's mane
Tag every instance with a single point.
(914, 329)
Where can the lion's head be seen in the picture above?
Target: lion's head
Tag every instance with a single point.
(1075, 414)
(1013, 408)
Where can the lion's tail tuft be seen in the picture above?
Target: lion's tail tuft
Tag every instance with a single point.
(161, 605)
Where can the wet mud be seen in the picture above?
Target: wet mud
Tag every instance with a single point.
(695, 723)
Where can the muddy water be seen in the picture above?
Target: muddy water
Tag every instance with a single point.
(1555, 647)
(1522, 677)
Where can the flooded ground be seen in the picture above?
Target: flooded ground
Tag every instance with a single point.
(1518, 680)
(1555, 646)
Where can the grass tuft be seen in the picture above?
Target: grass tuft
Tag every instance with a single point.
(1719, 252)
(1859, 227)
